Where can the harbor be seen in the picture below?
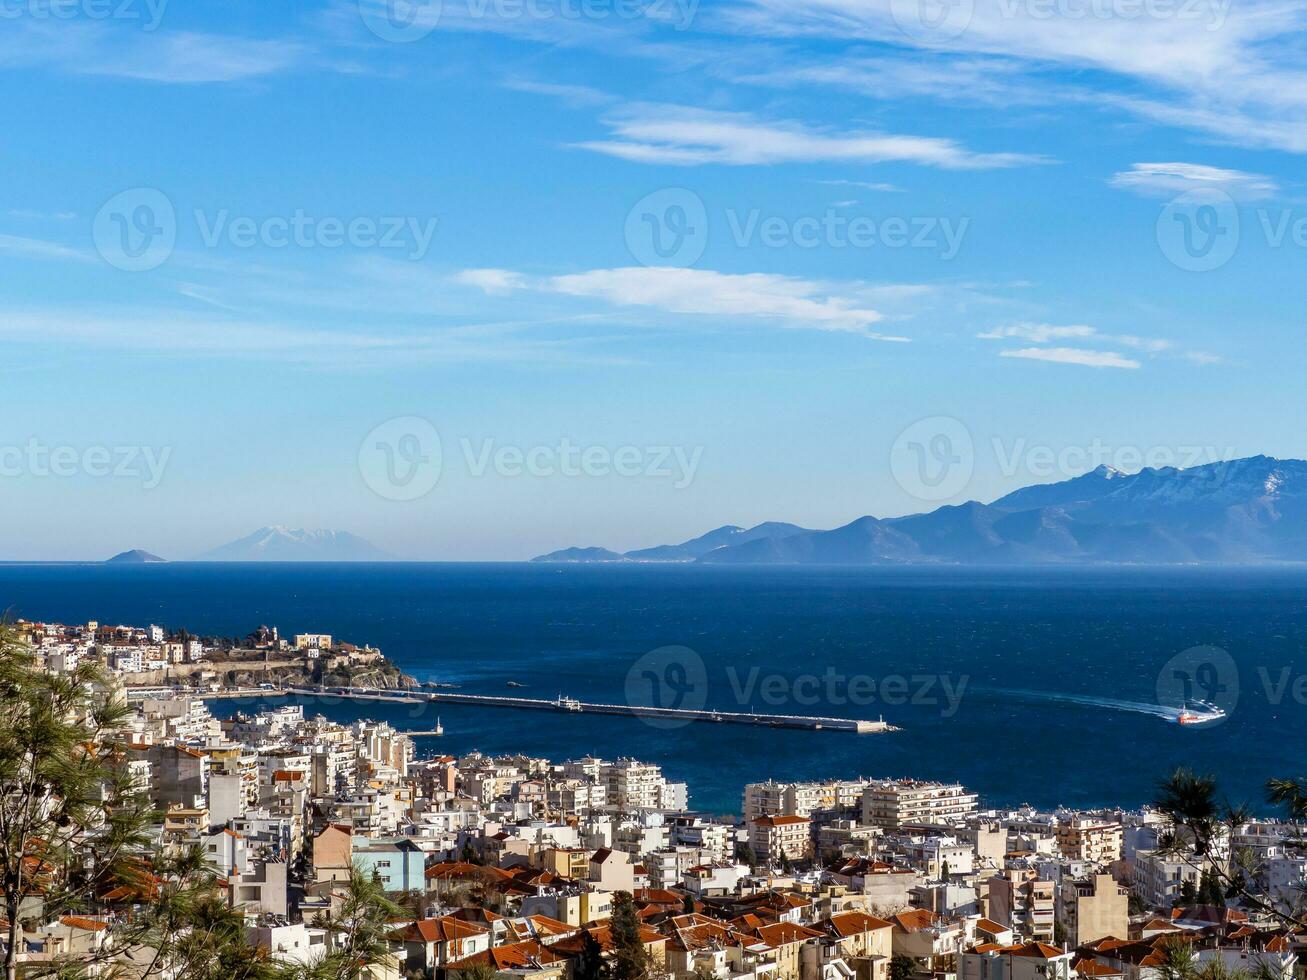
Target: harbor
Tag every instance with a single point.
(809, 722)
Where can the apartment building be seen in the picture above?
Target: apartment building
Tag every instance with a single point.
(1092, 907)
(894, 803)
(1023, 902)
(784, 837)
(1084, 838)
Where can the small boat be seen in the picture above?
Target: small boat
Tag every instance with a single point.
(1196, 713)
(514, 684)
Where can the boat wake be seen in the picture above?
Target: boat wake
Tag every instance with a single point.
(1112, 704)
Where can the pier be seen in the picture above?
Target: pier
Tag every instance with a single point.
(809, 722)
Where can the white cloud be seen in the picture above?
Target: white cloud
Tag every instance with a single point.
(1169, 179)
(490, 280)
(868, 185)
(1234, 70)
(1073, 355)
(183, 57)
(784, 300)
(1039, 333)
(35, 248)
(678, 135)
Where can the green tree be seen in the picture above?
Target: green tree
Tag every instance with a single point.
(74, 831)
(477, 971)
(590, 964)
(901, 967)
(630, 957)
(71, 821)
(1199, 834)
(360, 929)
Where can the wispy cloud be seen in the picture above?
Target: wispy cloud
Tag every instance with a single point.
(19, 246)
(1074, 355)
(573, 95)
(1047, 333)
(867, 185)
(181, 57)
(682, 136)
(699, 292)
(1039, 333)
(783, 301)
(1169, 179)
(1233, 70)
(490, 280)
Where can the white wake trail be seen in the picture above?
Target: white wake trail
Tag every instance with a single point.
(1137, 707)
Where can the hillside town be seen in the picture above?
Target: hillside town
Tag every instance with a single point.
(519, 867)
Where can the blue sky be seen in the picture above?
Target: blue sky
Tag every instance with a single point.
(484, 278)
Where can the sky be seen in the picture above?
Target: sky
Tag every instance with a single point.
(478, 279)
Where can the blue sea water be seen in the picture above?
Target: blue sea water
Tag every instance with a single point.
(1089, 643)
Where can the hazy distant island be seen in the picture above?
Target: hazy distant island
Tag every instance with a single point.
(278, 543)
(1240, 511)
(134, 557)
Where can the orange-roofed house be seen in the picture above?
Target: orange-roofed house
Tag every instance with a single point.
(527, 958)
(926, 937)
(430, 944)
(1027, 961)
(864, 942)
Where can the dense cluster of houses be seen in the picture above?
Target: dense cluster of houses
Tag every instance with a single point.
(514, 863)
(124, 651)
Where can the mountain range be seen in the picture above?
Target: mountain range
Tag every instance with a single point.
(1246, 510)
(277, 543)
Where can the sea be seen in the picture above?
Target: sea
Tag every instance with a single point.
(1047, 686)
